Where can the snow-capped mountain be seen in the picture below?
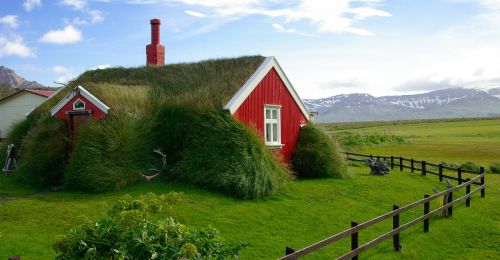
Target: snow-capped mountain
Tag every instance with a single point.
(446, 103)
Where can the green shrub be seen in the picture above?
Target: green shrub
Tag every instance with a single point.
(495, 167)
(16, 136)
(470, 166)
(110, 154)
(348, 139)
(317, 156)
(44, 156)
(223, 155)
(128, 231)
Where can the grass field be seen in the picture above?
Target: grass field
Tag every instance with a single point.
(307, 211)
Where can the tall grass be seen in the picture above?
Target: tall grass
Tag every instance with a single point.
(317, 156)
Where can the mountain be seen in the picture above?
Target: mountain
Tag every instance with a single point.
(9, 78)
(445, 103)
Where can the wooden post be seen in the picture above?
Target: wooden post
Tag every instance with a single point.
(354, 240)
(392, 162)
(401, 163)
(459, 171)
(289, 250)
(450, 200)
(371, 156)
(426, 211)
(412, 165)
(395, 224)
(482, 182)
(424, 170)
(467, 192)
(440, 172)
(378, 158)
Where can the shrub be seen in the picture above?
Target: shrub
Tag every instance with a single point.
(495, 167)
(16, 136)
(348, 139)
(128, 231)
(317, 156)
(470, 166)
(44, 156)
(223, 155)
(110, 154)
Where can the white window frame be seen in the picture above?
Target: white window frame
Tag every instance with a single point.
(84, 105)
(277, 143)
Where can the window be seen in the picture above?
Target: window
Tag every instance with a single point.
(272, 127)
(78, 105)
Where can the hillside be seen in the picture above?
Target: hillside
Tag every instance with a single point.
(446, 103)
(9, 77)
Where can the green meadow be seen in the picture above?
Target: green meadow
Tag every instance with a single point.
(307, 210)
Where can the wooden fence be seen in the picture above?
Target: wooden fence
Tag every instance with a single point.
(353, 232)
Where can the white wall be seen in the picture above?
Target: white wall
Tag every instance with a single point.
(14, 109)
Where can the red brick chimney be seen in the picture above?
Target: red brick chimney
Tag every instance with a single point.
(155, 52)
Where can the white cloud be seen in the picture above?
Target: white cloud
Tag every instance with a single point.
(329, 16)
(67, 35)
(76, 4)
(31, 4)
(9, 21)
(63, 74)
(14, 46)
(195, 14)
(96, 16)
(100, 67)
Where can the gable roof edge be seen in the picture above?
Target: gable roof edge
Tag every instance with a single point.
(256, 78)
(86, 94)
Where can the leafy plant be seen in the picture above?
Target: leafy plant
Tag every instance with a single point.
(317, 156)
(348, 139)
(131, 229)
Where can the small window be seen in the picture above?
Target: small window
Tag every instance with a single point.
(78, 105)
(272, 127)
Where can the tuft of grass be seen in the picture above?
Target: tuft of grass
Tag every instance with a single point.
(348, 139)
(44, 156)
(317, 156)
(110, 154)
(221, 154)
(495, 167)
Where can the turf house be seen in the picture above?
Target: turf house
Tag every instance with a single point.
(228, 125)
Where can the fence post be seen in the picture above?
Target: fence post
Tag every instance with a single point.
(412, 165)
(401, 163)
(450, 209)
(378, 158)
(289, 250)
(354, 239)
(440, 172)
(371, 156)
(424, 170)
(392, 162)
(426, 211)
(395, 224)
(459, 171)
(482, 182)
(467, 192)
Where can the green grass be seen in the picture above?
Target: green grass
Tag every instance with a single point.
(304, 213)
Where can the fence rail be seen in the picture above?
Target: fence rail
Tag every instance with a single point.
(352, 232)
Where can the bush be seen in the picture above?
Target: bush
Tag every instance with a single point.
(16, 136)
(495, 167)
(470, 166)
(128, 232)
(317, 156)
(44, 156)
(110, 154)
(223, 155)
(348, 139)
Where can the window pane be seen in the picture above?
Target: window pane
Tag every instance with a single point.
(268, 114)
(268, 132)
(275, 132)
(275, 114)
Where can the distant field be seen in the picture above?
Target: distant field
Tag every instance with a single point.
(307, 211)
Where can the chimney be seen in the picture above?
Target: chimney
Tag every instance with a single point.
(155, 52)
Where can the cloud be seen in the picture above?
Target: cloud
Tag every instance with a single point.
(280, 28)
(328, 16)
(63, 74)
(195, 14)
(425, 84)
(9, 21)
(67, 35)
(100, 67)
(76, 4)
(96, 16)
(14, 46)
(31, 4)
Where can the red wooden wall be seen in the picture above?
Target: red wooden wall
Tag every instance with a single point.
(272, 91)
(96, 112)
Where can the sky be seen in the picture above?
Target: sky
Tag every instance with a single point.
(326, 47)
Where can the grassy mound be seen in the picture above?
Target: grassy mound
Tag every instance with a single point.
(317, 156)
(495, 167)
(223, 155)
